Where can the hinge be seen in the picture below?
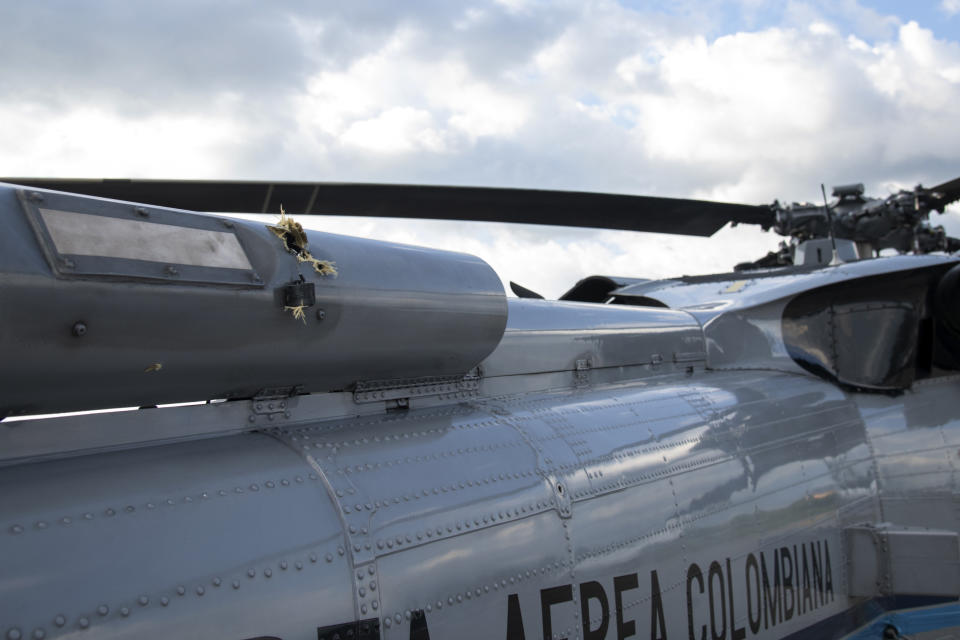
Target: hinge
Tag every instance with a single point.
(445, 387)
(272, 401)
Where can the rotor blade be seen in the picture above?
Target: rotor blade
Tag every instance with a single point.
(530, 206)
(949, 190)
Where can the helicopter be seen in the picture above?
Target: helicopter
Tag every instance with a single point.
(222, 428)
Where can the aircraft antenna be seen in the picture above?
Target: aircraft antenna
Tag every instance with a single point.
(833, 240)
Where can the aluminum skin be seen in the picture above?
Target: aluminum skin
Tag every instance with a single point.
(626, 497)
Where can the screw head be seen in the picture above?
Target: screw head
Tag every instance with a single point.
(79, 329)
(321, 314)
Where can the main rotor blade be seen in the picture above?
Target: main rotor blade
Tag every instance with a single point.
(950, 191)
(531, 206)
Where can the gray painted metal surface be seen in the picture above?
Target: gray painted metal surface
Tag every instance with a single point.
(890, 560)
(142, 332)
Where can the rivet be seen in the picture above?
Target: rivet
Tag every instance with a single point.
(59, 620)
(201, 591)
(181, 590)
(84, 623)
(313, 557)
(143, 601)
(16, 529)
(269, 484)
(341, 550)
(374, 604)
(170, 502)
(363, 608)
(88, 516)
(328, 557)
(103, 610)
(235, 584)
(362, 592)
(373, 585)
(124, 612)
(299, 479)
(41, 525)
(299, 565)
(110, 512)
(13, 634)
(268, 572)
(217, 582)
(222, 492)
(39, 634)
(398, 618)
(386, 622)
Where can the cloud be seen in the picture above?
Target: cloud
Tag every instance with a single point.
(745, 101)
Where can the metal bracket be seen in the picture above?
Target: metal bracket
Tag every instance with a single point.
(446, 387)
(582, 372)
(273, 401)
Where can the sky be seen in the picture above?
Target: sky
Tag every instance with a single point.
(741, 101)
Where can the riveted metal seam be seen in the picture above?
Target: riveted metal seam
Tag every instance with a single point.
(337, 507)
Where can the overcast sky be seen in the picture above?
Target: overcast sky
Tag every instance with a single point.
(740, 101)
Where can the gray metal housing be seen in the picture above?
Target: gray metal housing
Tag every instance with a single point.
(106, 330)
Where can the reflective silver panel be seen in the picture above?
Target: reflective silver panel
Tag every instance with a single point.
(109, 237)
